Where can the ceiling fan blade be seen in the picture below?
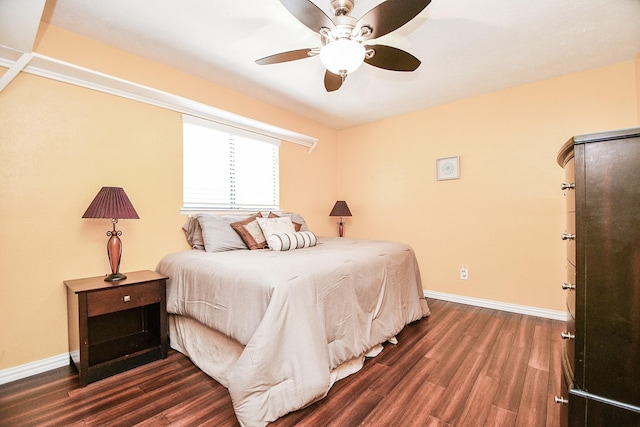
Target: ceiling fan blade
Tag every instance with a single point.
(392, 58)
(391, 15)
(291, 55)
(332, 82)
(309, 14)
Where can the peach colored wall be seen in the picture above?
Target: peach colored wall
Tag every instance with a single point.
(638, 87)
(503, 218)
(60, 143)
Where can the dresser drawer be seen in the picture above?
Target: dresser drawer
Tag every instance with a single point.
(570, 193)
(570, 229)
(569, 345)
(565, 384)
(571, 311)
(123, 298)
(571, 292)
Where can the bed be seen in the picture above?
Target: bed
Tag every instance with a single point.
(279, 327)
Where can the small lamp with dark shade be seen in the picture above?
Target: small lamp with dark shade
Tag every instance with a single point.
(340, 209)
(112, 203)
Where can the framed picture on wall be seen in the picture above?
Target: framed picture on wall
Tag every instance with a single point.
(448, 168)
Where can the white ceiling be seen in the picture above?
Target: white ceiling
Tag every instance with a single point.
(467, 47)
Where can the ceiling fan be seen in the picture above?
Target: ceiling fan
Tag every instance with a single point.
(343, 37)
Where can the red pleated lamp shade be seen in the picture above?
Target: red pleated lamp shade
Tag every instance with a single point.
(111, 202)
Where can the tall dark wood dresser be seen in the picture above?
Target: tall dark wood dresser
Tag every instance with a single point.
(601, 351)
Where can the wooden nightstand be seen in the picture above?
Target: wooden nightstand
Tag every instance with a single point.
(115, 326)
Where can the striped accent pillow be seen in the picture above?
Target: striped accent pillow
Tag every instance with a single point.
(288, 241)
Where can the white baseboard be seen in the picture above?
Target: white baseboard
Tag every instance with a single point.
(33, 368)
(496, 305)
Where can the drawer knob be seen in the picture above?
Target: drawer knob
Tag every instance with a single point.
(126, 298)
(568, 286)
(559, 399)
(567, 236)
(567, 185)
(567, 335)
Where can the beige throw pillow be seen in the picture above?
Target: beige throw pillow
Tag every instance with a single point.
(250, 232)
(278, 225)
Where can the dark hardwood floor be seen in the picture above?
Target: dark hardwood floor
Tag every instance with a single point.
(463, 366)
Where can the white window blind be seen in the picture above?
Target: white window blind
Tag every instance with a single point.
(228, 168)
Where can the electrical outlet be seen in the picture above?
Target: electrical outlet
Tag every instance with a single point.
(464, 273)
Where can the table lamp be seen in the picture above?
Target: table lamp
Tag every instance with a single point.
(112, 203)
(340, 209)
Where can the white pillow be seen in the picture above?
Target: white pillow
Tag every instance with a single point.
(279, 225)
(288, 241)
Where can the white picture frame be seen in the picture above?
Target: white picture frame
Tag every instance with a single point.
(448, 168)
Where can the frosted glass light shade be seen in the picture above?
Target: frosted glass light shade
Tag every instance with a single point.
(342, 56)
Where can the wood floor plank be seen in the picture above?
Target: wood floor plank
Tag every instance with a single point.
(20, 395)
(462, 365)
(132, 378)
(499, 417)
(157, 420)
(458, 351)
(356, 413)
(501, 349)
(53, 378)
(74, 410)
(489, 334)
(419, 409)
(146, 405)
(512, 380)
(199, 409)
(555, 378)
(478, 405)
(454, 399)
(339, 398)
(391, 407)
(480, 319)
(541, 345)
(34, 402)
(451, 332)
(435, 422)
(525, 331)
(532, 410)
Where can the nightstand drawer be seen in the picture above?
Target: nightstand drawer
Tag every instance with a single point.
(122, 298)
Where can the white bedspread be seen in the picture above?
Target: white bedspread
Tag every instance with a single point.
(298, 314)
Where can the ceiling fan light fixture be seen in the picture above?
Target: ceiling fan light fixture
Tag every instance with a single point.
(342, 56)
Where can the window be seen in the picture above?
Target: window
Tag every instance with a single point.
(228, 168)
